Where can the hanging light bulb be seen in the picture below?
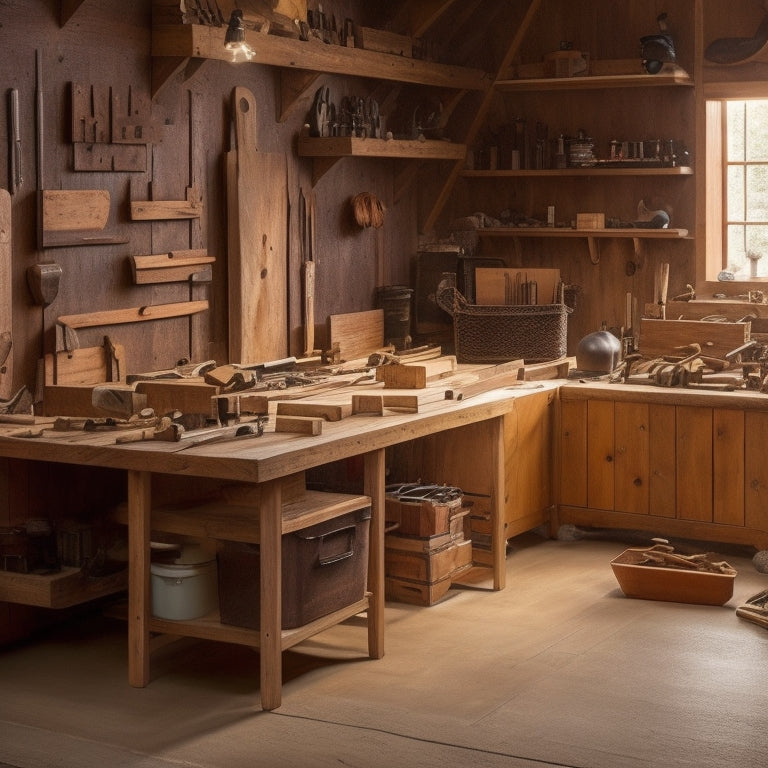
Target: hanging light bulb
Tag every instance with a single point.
(234, 40)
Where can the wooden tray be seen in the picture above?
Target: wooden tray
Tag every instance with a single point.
(677, 585)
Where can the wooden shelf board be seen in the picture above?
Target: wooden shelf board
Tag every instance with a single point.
(635, 234)
(348, 146)
(593, 171)
(209, 627)
(64, 589)
(199, 41)
(230, 522)
(676, 76)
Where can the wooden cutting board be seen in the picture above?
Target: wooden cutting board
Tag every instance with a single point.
(257, 203)
(357, 333)
(6, 315)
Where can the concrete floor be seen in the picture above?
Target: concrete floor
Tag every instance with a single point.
(559, 669)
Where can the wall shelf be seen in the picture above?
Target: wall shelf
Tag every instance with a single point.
(327, 151)
(592, 236)
(592, 171)
(173, 45)
(671, 75)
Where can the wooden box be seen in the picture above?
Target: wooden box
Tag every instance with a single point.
(590, 221)
(677, 585)
(429, 567)
(421, 518)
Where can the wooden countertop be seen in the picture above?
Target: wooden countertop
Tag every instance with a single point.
(272, 455)
(649, 393)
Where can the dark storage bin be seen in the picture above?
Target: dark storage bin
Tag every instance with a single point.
(324, 569)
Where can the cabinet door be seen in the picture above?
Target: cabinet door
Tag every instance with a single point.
(694, 463)
(728, 466)
(631, 451)
(600, 447)
(528, 461)
(573, 453)
(662, 432)
(756, 470)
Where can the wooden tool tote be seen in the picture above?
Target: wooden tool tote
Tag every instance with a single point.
(257, 201)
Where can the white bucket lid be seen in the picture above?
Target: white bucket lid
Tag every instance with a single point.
(181, 571)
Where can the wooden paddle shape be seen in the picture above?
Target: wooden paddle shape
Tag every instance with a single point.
(257, 202)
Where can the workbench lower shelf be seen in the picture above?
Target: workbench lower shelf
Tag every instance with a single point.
(67, 587)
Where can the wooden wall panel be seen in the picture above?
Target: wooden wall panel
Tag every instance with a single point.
(756, 470)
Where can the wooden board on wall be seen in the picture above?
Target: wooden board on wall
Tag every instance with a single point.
(257, 203)
(666, 337)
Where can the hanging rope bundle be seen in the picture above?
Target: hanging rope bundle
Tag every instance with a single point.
(368, 209)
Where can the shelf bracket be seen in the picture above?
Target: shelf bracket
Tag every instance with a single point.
(293, 85)
(164, 68)
(594, 249)
(320, 166)
(638, 248)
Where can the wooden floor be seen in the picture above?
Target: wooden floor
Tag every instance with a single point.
(560, 669)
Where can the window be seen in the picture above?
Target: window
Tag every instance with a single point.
(737, 187)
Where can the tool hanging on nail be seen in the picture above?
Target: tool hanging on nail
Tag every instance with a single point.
(14, 142)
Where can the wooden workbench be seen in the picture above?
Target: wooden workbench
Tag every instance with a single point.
(265, 462)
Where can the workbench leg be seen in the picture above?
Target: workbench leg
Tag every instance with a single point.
(374, 482)
(270, 620)
(498, 490)
(139, 608)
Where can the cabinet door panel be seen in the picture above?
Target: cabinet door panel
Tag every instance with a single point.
(728, 466)
(631, 458)
(662, 497)
(756, 470)
(573, 453)
(600, 471)
(694, 463)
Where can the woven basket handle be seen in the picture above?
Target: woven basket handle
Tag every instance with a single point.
(449, 298)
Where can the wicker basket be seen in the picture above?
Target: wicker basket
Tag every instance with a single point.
(497, 333)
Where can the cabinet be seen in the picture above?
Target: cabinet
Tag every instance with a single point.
(667, 461)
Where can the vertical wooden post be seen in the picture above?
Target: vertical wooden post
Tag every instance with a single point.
(139, 503)
(374, 487)
(270, 620)
(498, 489)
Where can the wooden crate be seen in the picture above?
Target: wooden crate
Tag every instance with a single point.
(423, 518)
(428, 567)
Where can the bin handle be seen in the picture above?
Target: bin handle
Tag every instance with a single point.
(350, 550)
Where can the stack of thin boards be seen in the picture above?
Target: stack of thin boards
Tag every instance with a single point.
(426, 551)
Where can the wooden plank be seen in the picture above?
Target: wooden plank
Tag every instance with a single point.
(6, 297)
(61, 590)
(326, 411)
(100, 158)
(694, 463)
(728, 466)
(133, 314)
(631, 458)
(755, 470)
(69, 210)
(159, 210)
(357, 333)
(496, 285)
(665, 337)
(257, 206)
(302, 425)
(169, 267)
(662, 438)
(185, 396)
(600, 455)
(573, 453)
(414, 375)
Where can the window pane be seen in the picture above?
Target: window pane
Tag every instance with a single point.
(757, 193)
(735, 111)
(757, 131)
(736, 203)
(737, 256)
